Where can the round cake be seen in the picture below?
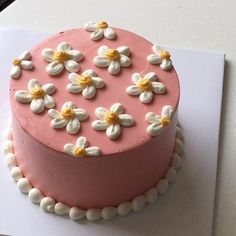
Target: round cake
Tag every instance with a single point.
(94, 114)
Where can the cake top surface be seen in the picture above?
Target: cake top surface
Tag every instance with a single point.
(118, 92)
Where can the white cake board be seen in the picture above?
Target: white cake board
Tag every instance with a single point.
(186, 209)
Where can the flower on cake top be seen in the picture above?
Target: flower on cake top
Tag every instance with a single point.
(19, 63)
(100, 29)
(160, 56)
(145, 86)
(69, 117)
(63, 57)
(112, 120)
(112, 58)
(81, 149)
(87, 83)
(159, 122)
(37, 95)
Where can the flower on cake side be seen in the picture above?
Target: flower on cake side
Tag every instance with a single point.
(111, 120)
(69, 117)
(64, 56)
(37, 95)
(112, 58)
(19, 63)
(87, 83)
(145, 86)
(100, 29)
(160, 56)
(159, 122)
(81, 149)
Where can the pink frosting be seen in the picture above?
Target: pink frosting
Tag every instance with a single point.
(129, 165)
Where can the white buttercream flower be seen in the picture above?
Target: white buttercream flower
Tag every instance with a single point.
(63, 57)
(112, 120)
(112, 58)
(81, 149)
(145, 86)
(161, 57)
(37, 95)
(100, 29)
(69, 117)
(159, 123)
(87, 83)
(19, 63)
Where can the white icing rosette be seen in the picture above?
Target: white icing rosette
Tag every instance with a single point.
(112, 58)
(145, 86)
(87, 83)
(37, 95)
(160, 56)
(63, 57)
(112, 120)
(100, 29)
(81, 149)
(19, 63)
(159, 123)
(69, 117)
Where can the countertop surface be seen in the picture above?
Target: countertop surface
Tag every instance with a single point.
(183, 23)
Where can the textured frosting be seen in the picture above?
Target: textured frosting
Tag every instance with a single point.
(113, 92)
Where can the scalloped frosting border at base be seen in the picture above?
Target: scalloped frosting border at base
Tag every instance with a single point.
(48, 204)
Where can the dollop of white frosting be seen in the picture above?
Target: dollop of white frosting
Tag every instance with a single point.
(69, 117)
(35, 195)
(47, 204)
(8, 134)
(77, 213)
(37, 95)
(19, 63)
(145, 86)
(179, 133)
(124, 208)
(151, 195)
(176, 161)
(16, 173)
(8, 147)
(179, 147)
(170, 175)
(10, 160)
(108, 213)
(93, 214)
(61, 208)
(138, 203)
(162, 186)
(114, 59)
(24, 185)
(64, 56)
(111, 120)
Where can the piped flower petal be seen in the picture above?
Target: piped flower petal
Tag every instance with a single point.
(27, 65)
(82, 142)
(98, 82)
(74, 88)
(49, 101)
(136, 77)
(47, 54)
(102, 50)
(73, 126)
(81, 114)
(71, 66)
(109, 33)
(146, 96)
(133, 90)
(15, 72)
(117, 108)
(114, 67)
(54, 68)
(49, 88)
(25, 55)
(167, 111)
(126, 120)
(158, 88)
(152, 76)
(68, 148)
(99, 125)
(33, 83)
(89, 72)
(64, 46)
(166, 64)
(125, 61)
(90, 26)
(113, 131)
(154, 129)
(151, 117)
(123, 50)
(93, 151)
(97, 34)
(23, 96)
(76, 55)
(154, 59)
(100, 112)
(54, 113)
(37, 105)
(59, 122)
(101, 61)
(89, 91)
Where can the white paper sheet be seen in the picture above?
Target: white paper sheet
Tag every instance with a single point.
(187, 207)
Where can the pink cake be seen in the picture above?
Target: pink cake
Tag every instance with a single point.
(94, 115)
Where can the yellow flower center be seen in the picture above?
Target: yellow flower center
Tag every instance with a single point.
(61, 56)
(165, 121)
(37, 92)
(144, 84)
(85, 80)
(16, 62)
(111, 117)
(67, 113)
(79, 152)
(112, 54)
(164, 54)
(102, 24)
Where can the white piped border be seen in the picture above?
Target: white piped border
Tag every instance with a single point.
(48, 204)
